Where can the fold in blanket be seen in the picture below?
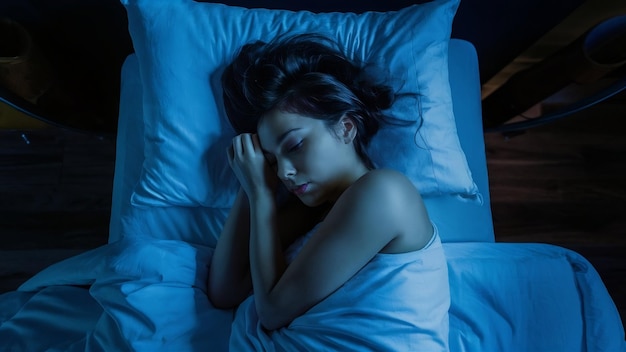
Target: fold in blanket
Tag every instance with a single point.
(143, 295)
(397, 302)
(147, 294)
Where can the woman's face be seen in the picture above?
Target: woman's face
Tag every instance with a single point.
(313, 162)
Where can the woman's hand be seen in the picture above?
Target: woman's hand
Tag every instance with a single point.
(255, 175)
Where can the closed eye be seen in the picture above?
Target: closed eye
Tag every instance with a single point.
(295, 147)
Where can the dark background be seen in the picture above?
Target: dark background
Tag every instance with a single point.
(87, 40)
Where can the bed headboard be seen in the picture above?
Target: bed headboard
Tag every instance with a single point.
(457, 220)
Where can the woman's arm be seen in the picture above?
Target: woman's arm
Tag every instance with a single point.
(229, 274)
(382, 210)
(267, 261)
(229, 281)
(370, 215)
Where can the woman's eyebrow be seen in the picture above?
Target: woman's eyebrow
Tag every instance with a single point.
(281, 138)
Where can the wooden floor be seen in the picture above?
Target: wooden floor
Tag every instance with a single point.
(564, 183)
(55, 198)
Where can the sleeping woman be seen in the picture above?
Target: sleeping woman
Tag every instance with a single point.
(338, 255)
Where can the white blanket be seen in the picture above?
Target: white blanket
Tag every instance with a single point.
(144, 295)
(397, 302)
(148, 295)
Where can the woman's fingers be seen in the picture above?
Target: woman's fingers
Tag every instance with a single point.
(246, 144)
(236, 145)
(256, 143)
(247, 160)
(245, 149)
(252, 144)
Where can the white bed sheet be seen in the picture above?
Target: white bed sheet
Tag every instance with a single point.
(528, 297)
(149, 294)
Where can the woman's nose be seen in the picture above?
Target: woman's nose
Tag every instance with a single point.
(285, 169)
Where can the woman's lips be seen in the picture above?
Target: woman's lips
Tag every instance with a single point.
(300, 189)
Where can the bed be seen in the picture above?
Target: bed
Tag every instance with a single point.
(146, 289)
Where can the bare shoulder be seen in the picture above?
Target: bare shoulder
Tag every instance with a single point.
(387, 186)
(389, 198)
(387, 178)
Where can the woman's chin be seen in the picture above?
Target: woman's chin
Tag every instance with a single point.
(309, 200)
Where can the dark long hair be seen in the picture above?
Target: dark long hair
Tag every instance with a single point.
(305, 74)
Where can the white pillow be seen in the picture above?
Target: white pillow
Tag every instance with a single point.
(183, 46)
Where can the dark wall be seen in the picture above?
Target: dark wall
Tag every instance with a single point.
(87, 40)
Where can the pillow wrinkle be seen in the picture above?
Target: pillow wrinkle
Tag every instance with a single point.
(183, 46)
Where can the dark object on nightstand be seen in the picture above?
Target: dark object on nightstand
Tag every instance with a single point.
(30, 84)
(23, 69)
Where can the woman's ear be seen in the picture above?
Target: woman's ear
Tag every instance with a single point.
(347, 129)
